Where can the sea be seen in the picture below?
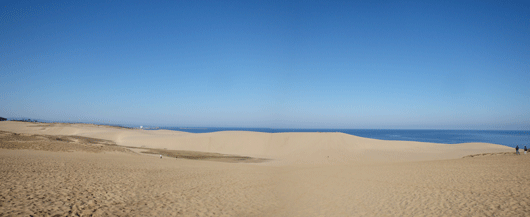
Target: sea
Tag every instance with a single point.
(509, 138)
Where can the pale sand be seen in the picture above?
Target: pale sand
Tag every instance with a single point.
(308, 174)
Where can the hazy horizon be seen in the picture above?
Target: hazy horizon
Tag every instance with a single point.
(155, 126)
(289, 64)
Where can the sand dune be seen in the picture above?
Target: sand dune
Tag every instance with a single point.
(288, 148)
(56, 169)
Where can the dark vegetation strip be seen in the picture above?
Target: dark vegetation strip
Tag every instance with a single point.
(197, 155)
(10, 140)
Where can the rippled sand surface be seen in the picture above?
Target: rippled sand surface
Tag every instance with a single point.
(112, 184)
(72, 174)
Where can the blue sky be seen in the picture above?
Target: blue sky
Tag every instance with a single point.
(277, 64)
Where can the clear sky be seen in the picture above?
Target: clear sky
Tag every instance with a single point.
(277, 64)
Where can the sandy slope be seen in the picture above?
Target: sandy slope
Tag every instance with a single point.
(287, 148)
(113, 184)
(361, 177)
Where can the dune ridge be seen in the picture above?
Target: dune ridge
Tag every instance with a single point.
(288, 148)
(88, 170)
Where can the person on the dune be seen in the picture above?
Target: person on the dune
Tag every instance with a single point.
(525, 149)
(517, 149)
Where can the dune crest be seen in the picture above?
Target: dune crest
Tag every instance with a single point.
(81, 169)
(283, 148)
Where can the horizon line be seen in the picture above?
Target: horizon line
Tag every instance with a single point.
(200, 127)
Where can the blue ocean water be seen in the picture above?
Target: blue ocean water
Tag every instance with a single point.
(509, 138)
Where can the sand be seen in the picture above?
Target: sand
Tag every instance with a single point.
(79, 169)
